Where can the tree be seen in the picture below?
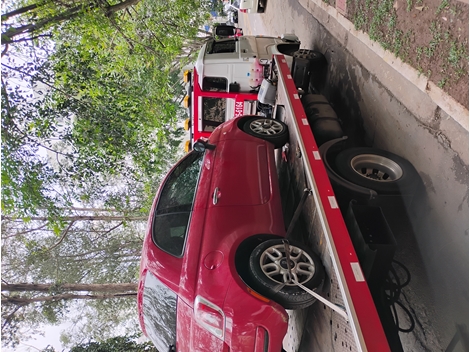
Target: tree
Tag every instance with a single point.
(90, 106)
(41, 16)
(99, 100)
(95, 259)
(116, 344)
(52, 301)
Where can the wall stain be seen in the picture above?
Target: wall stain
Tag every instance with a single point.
(427, 181)
(460, 170)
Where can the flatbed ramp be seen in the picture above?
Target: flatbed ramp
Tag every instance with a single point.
(323, 328)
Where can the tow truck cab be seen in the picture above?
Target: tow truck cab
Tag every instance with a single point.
(226, 78)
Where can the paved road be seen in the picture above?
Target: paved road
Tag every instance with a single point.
(389, 112)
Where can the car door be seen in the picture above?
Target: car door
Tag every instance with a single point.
(240, 173)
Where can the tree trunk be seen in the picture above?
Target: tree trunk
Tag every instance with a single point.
(19, 11)
(12, 32)
(25, 287)
(22, 301)
(85, 217)
(121, 6)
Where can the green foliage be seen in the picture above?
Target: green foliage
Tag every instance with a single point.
(115, 344)
(437, 48)
(443, 5)
(26, 175)
(90, 112)
(108, 106)
(53, 312)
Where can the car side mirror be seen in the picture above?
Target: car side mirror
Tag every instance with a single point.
(200, 146)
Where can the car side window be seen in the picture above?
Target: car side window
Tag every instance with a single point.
(169, 231)
(178, 192)
(173, 210)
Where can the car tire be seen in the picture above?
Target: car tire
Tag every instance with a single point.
(271, 130)
(376, 169)
(268, 268)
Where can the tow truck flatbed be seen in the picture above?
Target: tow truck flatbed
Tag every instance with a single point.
(345, 285)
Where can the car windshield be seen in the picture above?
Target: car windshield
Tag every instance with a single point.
(159, 310)
(175, 203)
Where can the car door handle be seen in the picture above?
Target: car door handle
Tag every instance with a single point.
(215, 196)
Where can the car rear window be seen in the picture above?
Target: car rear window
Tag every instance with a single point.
(173, 210)
(159, 310)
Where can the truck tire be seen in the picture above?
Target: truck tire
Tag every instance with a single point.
(379, 170)
(268, 267)
(305, 64)
(270, 130)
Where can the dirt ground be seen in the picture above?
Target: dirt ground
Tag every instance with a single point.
(430, 35)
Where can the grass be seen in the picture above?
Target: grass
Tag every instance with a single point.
(442, 83)
(409, 5)
(438, 54)
(457, 53)
(444, 4)
(436, 39)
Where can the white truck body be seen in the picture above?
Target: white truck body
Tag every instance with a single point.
(238, 59)
(227, 76)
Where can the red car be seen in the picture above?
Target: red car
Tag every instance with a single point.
(214, 274)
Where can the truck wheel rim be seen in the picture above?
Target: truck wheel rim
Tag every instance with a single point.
(376, 167)
(266, 127)
(273, 263)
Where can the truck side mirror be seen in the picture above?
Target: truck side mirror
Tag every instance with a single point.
(234, 87)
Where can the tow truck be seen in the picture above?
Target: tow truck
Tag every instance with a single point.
(338, 187)
(227, 75)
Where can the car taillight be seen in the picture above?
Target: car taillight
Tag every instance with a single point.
(209, 316)
(243, 10)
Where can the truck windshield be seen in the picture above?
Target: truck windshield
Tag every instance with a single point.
(213, 112)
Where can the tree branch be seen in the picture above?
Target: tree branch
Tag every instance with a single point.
(29, 38)
(23, 301)
(65, 232)
(24, 232)
(19, 11)
(44, 82)
(10, 33)
(11, 315)
(120, 6)
(25, 287)
(85, 217)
